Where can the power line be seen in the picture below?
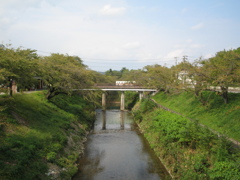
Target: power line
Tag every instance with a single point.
(105, 59)
(96, 60)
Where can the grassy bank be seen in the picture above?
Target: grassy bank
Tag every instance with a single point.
(224, 118)
(41, 139)
(188, 150)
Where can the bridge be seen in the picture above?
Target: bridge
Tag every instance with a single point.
(112, 87)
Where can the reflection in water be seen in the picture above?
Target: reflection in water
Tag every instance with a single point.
(122, 117)
(116, 151)
(90, 165)
(103, 120)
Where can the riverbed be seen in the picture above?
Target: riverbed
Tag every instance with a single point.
(116, 150)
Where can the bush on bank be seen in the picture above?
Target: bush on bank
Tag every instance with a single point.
(131, 99)
(40, 139)
(188, 150)
(223, 118)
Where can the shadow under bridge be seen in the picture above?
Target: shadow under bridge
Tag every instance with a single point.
(122, 89)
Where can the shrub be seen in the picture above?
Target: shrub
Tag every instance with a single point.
(51, 157)
(189, 150)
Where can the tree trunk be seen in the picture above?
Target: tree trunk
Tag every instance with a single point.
(54, 92)
(11, 92)
(50, 93)
(224, 94)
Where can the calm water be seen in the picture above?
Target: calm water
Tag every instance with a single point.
(115, 150)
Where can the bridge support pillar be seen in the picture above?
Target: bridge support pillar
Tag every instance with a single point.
(122, 101)
(104, 101)
(140, 95)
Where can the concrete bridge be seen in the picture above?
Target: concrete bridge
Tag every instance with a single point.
(122, 88)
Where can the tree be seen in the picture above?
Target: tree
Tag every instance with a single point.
(114, 73)
(123, 71)
(197, 79)
(63, 73)
(183, 75)
(223, 70)
(19, 65)
(133, 75)
(157, 76)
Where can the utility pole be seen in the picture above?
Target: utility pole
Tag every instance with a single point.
(176, 59)
(185, 58)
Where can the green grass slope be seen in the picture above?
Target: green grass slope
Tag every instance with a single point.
(187, 149)
(224, 118)
(37, 135)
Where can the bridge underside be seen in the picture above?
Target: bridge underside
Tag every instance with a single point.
(122, 89)
(122, 105)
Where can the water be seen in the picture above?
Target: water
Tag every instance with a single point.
(115, 150)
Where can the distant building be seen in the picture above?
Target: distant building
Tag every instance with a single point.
(125, 83)
(184, 78)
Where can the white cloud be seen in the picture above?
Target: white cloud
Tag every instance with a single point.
(189, 40)
(132, 45)
(91, 31)
(175, 53)
(196, 45)
(5, 20)
(109, 10)
(207, 56)
(197, 26)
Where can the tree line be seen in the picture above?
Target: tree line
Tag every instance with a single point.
(217, 73)
(62, 73)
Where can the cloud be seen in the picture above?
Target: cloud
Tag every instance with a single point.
(132, 45)
(5, 20)
(197, 26)
(109, 10)
(112, 31)
(189, 40)
(207, 56)
(196, 45)
(175, 53)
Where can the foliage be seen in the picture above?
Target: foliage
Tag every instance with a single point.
(63, 73)
(225, 170)
(113, 73)
(40, 134)
(220, 117)
(223, 70)
(116, 74)
(34, 131)
(19, 65)
(188, 150)
(143, 107)
(158, 77)
(217, 73)
(101, 78)
(133, 75)
(76, 105)
(131, 99)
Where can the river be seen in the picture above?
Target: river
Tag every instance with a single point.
(116, 150)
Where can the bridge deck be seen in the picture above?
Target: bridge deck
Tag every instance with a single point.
(120, 88)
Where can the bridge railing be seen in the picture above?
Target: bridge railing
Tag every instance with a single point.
(113, 84)
(122, 86)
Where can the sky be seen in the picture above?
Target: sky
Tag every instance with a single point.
(112, 34)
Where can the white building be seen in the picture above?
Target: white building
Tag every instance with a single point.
(184, 78)
(125, 83)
